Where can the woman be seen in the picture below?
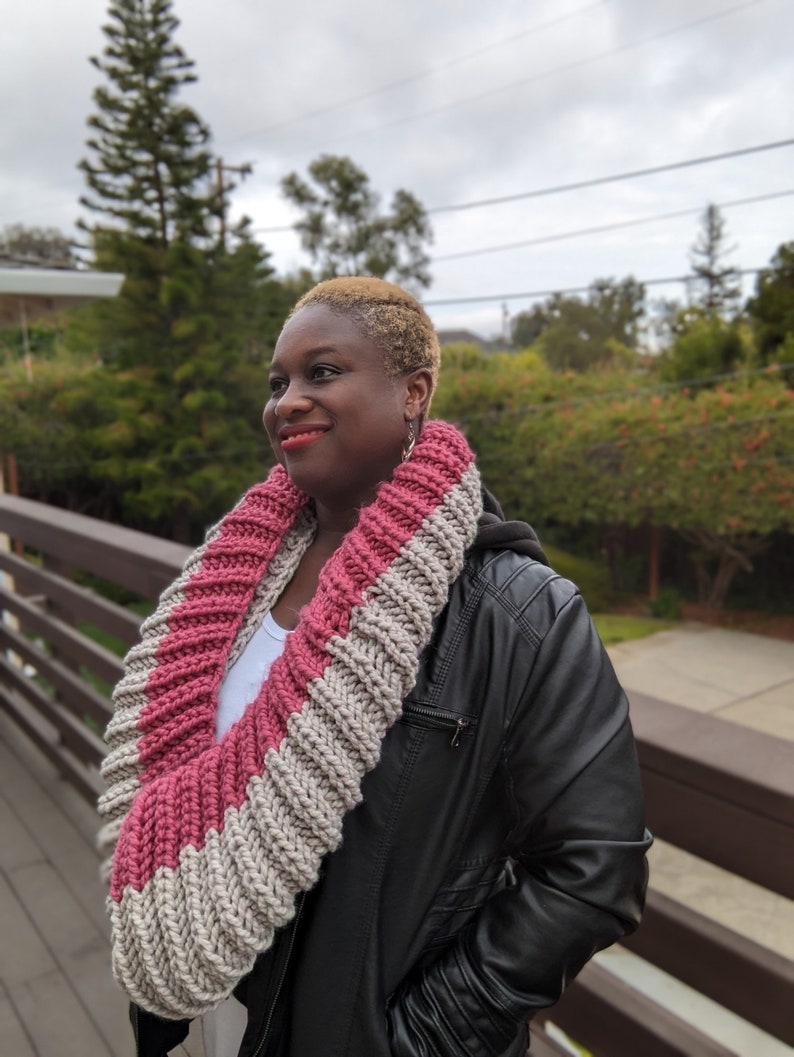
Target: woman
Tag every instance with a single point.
(399, 823)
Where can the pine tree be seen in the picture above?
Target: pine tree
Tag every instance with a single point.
(715, 286)
(150, 173)
(183, 343)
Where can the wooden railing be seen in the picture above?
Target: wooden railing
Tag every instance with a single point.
(725, 793)
(720, 791)
(50, 672)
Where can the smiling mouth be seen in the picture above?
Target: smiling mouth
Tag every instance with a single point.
(296, 441)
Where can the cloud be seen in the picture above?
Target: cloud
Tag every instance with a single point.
(488, 101)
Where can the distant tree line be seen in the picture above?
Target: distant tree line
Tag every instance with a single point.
(582, 430)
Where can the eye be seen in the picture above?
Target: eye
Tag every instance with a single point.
(322, 371)
(277, 385)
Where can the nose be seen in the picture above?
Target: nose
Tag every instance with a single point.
(293, 399)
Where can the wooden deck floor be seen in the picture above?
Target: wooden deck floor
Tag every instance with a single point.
(57, 995)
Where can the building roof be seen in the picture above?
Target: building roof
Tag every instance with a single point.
(27, 293)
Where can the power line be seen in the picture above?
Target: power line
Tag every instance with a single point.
(538, 76)
(601, 228)
(272, 231)
(567, 68)
(595, 181)
(422, 75)
(613, 178)
(531, 295)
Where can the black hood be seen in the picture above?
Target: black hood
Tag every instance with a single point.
(495, 533)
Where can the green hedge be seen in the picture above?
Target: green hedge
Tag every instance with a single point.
(591, 577)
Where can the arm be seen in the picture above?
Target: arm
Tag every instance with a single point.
(579, 846)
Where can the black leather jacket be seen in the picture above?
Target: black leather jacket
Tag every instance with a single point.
(499, 845)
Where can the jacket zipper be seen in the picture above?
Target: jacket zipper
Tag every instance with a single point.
(136, 1030)
(282, 976)
(445, 720)
(460, 726)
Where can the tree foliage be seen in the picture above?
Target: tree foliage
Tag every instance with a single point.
(33, 245)
(181, 344)
(715, 285)
(526, 327)
(122, 446)
(575, 334)
(703, 344)
(772, 308)
(601, 449)
(38, 339)
(345, 231)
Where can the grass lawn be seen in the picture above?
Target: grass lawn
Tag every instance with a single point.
(617, 627)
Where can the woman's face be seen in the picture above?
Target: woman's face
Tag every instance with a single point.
(336, 420)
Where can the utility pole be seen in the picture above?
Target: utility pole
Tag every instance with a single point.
(242, 170)
(23, 320)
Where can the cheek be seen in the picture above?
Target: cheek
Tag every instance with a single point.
(269, 422)
(269, 419)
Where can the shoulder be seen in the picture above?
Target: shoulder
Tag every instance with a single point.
(521, 589)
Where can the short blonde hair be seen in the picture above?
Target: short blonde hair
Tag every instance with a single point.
(389, 316)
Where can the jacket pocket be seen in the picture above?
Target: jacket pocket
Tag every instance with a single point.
(457, 724)
(457, 903)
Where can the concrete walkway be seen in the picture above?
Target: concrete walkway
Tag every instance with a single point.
(744, 679)
(747, 679)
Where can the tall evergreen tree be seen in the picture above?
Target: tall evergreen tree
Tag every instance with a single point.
(150, 166)
(715, 285)
(185, 338)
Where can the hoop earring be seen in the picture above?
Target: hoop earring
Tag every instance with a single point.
(410, 440)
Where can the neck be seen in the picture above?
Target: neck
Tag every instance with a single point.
(333, 523)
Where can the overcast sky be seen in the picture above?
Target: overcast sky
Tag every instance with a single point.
(455, 102)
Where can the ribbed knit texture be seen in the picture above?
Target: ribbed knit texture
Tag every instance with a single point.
(213, 841)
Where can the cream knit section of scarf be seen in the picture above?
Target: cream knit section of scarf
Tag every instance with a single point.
(187, 930)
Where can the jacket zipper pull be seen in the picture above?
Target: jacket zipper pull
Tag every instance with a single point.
(460, 726)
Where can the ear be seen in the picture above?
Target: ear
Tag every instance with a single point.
(418, 390)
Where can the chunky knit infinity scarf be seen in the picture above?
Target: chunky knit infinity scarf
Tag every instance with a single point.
(213, 841)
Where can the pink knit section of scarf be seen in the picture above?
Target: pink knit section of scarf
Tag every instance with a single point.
(189, 782)
(192, 657)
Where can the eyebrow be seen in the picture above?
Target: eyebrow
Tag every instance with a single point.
(319, 350)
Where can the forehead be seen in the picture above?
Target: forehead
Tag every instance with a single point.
(319, 328)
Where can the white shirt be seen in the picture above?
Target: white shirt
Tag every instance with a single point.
(245, 677)
(223, 1028)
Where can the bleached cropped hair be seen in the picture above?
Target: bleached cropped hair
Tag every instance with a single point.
(390, 317)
